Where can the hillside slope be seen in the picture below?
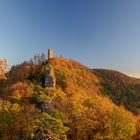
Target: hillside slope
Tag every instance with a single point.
(122, 89)
(76, 109)
(77, 76)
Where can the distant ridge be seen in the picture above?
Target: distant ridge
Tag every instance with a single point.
(122, 89)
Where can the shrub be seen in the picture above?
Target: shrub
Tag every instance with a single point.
(61, 78)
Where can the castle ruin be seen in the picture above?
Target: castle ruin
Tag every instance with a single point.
(50, 53)
(49, 77)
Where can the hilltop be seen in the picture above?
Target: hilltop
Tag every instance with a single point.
(77, 107)
(77, 76)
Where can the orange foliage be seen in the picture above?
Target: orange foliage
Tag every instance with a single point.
(3, 68)
(19, 90)
(78, 77)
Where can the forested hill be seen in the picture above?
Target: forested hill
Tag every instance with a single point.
(77, 108)
(122, 89)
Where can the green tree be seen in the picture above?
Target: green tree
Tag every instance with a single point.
(48, 127)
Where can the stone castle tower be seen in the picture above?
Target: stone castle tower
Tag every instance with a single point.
(50, 53)
(49, 76)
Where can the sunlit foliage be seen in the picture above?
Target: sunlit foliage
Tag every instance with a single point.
(76, 109)
(3, 68)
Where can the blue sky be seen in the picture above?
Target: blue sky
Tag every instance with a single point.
(98, 33)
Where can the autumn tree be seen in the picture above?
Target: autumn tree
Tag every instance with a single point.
(3, 68)
(93, 123)
(122, 124)
(137, 136)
